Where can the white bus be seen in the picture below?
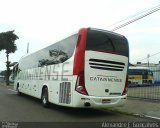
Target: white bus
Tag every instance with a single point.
(140, 76)
(86, 69)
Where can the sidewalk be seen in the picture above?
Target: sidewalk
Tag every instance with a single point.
(141, 107)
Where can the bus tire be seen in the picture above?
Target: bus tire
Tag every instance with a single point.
(44, 98)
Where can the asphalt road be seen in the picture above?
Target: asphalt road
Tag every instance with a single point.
(14, 108)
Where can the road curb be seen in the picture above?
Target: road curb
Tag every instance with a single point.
(135, 114)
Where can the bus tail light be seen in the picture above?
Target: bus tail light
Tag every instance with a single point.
(126, 86)
(80, 84)
(79, 60)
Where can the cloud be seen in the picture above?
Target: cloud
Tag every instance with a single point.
(42, 22)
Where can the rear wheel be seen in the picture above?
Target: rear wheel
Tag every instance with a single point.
(44, 98)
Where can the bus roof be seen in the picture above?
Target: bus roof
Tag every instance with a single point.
(138, 67)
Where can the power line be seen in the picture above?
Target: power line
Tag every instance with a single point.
(150, 56)
(136, 19)
(133, 15)
(143, 14)
(147, 12)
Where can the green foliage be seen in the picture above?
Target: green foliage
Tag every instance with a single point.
(2, 47)
(7, 42)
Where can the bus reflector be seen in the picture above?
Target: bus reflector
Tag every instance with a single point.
(126, 87)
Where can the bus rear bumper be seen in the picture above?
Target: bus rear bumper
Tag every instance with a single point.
(100, 102)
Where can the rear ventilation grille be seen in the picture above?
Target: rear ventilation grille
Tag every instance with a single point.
(65, 93)
(106, 65)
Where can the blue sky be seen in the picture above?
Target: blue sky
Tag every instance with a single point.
(42, 22)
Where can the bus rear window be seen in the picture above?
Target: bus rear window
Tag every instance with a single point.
(106, 41)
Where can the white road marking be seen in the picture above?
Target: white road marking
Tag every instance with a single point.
(144, 115)
(152, 117)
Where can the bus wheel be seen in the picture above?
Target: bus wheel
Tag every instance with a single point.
(44, 98)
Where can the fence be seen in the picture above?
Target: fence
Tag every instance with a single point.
(147, 92)
(151, 92)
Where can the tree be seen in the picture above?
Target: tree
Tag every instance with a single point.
(7, 42)
(1, 41)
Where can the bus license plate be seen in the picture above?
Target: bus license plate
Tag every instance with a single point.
(106, 101)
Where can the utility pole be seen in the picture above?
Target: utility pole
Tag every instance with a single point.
(27, 48)
(148, 59)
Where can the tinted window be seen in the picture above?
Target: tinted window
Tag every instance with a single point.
(107, 41)
(53, 54)
(135, 72)
(139, 72)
